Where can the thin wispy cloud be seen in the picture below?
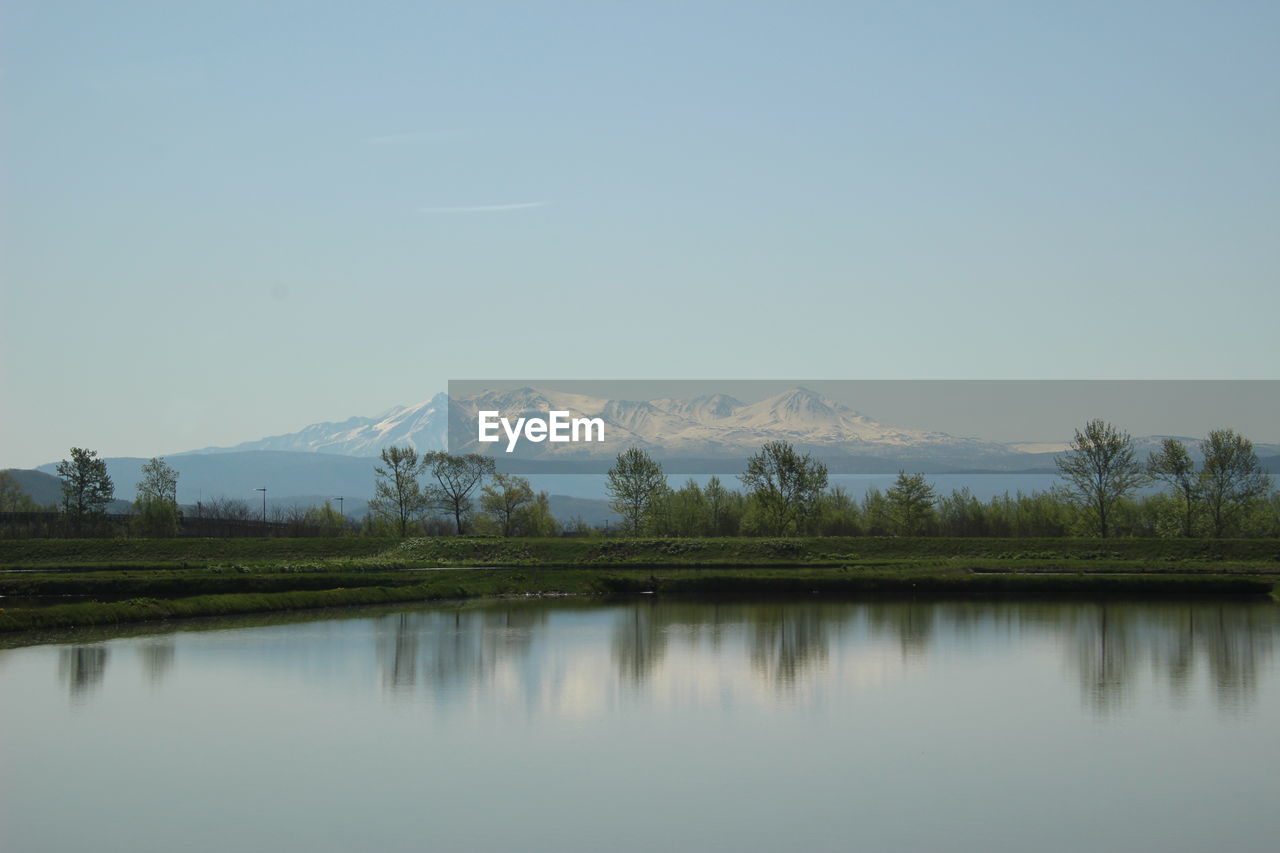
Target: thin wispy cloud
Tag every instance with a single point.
(412, 138)
(485, 208)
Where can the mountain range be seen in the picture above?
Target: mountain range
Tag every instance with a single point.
(704, 435)
(709, 427)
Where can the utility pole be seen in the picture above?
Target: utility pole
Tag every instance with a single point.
(264, 509)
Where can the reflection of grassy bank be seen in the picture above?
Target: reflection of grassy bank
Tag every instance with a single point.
(724, 582)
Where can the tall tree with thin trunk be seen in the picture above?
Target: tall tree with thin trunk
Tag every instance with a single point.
(1231, 479)
(397, 495)
(157, 500)
(457, 478)
(1100, 468)
(1172, 464)
(505, 500)
(635, 484)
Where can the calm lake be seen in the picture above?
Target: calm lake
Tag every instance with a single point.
(655, 725)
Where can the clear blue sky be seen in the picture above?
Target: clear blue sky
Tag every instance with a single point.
(222, 220)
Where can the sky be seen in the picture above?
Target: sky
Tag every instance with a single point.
(225, 220)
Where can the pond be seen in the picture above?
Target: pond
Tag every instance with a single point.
(654, 725)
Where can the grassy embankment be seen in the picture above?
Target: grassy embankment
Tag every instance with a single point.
(176, 578)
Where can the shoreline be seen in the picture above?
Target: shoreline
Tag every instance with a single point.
(462, 584)
(162, 579)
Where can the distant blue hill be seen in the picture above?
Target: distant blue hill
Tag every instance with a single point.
(238, 475)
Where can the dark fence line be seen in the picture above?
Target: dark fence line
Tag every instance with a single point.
(54, 525)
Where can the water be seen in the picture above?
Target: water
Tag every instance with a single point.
(655, 725)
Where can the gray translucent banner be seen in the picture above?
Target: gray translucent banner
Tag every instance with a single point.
(854, 426)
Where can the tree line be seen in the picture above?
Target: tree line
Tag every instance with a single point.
(412, 493)
(782, 492)
(785, 493)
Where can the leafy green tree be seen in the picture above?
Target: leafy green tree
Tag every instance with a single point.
(1263, 518)
(457, 478)
(962, 514)
(329, 520)
(1101, 468)
(1173, 465)
(877, 518)
(911, 501)
(690, 514)
(724, 508)
(378, 526)
(504, 500)
(536, 518)
(157, 500)
(397, 495)
(86, 486)
(785, 485)
(837, 514)
(159, 482)
(515, 510)
(14, 498)
(1231, 478)
(635, 484)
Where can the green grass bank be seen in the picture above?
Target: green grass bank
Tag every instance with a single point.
(141, 580)
(319, 553)
(468, 583)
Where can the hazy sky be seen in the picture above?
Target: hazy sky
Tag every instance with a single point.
(223, 220)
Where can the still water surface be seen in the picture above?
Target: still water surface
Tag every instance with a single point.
(656, 725)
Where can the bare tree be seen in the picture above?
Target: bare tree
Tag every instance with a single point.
(1101, 468)
(457, 477)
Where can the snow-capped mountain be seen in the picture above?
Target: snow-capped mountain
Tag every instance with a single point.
(710, 426)
(423, 427)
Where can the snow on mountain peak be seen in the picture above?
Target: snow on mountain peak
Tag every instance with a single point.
(709, 425)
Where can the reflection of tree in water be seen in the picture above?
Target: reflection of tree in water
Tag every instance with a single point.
(1234, 640)
(1104, 653)
(1176, 658)
(82, 667)
(1108, 645)
(450, 647)
(1237, 642)
(157, 658)
(399, 663)
(787, 641)
(911, 622)
(640, 640)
